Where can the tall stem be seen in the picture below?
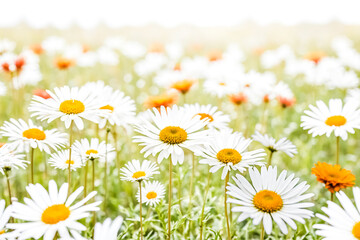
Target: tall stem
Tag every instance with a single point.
(117, 162)
(332, 196)
(179, 190)
(169, 207)
(226, 210)
(93, 186)
(204, 203)
(270, 157)
(141, 225)
(337, 149)
(32, 165)
(106, 167)
(85, 178)
(192, 181)
(8, 184)
(69, 167)
(262, 234)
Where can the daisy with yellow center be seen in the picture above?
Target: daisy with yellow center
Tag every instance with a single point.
(153, 192)
(4, 219)
(333, 176)
(60, 160)
(55, 212)
(342, 220)
(93, 149)
(269, 198)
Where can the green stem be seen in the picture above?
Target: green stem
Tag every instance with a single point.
(32, 165)
(270, 157)
(106, 168)
(337, 149)
(169, 207)
(85, 178)
(141, 224)
(204, 203)
(262, 235)
(226, 210)
(69, 166)
(8, 184)
(179, 189)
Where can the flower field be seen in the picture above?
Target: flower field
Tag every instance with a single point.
(126, 138)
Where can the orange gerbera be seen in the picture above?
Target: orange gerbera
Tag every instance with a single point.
(183, 86)
(333, 176)
(238, 98)
(286, 102)
(63, 63)
(315, 56)
(165, 99)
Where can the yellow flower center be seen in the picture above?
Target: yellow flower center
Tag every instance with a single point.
(34, 133)
(2, 232)
(173, 135)
(227, 155)
(71, 162)
(151, 195)
(356, 230)
(108, 107)
(268, 201)
(55, 214)
(139, 174)
(90, 151)
(335, 121)
(72, 107)
(205, 115)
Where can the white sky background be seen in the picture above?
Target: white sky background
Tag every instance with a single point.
(170, 13)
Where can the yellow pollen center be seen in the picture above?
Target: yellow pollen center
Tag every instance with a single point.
(222, 84)
(356, 230)
(151, 195)
(108, 107)
(55, 214)
(205, 115)
(90, 151)
(34, 133)
(337, 121)
(2, 232)
(139, 174)
(71, 162)
(228, 155)
(173, 135)
(268, 201)
(72, 107)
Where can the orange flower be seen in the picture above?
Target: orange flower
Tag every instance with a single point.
(177, 67)
(286, 102)
(333, 176)
(37, 49)
(183, 86)
(315, 56)
(166, 100)
(41, 93)
(63, 63)
(238, 98)
(156, 48)
(214, 56)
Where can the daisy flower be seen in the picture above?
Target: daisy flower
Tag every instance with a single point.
(216, 119)
(333, 176)
(170, 131)
(10, 159)
(270, 198)
(49, 212)
(336, 118)
(4, 219)
(153, 192)
(23, 136)
(167, 99)
(61, 160)
(68, 104)
(283, 145)
(228, 150)
(342, 222)
(108, 229)
(136, 171)
(93, 150)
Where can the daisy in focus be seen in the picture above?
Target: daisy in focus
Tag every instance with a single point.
(216, 119)
(136, 171)
(270, 198)
(333, 176)
(108, 229)
(10, 159)
(169, 132)
(23, 136)
(341, 222)
(48, 213)
(228, 150)
(69, 105)
(152, 194)
(93, 150)
(60, 160)
(338, 118)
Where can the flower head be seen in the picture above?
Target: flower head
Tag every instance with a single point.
(152, 194)
(10, 159)
(93, 150)
(108, 229)
(283, 145)
(61, 160)
(136, 171)
(333, 176)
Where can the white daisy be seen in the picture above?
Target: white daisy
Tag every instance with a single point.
(170, 131)
(283, 145)
(4, 219)
(68, 104)
(228, 150)
(336, 118)
(216, 119)
(23, 136)
(108, 229)
(10, 159)
(93, 150)
(61, 160)
(49, 212)
(134, 171)
(353, 95)
(270, 198)
(341, 222)
(152, 194)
